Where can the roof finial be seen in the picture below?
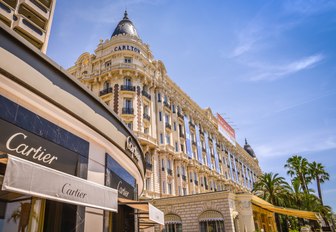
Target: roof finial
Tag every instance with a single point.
(245, 141)
(125, 15)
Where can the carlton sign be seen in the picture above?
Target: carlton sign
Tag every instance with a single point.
(226, 130)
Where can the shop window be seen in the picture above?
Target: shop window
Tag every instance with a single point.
(173, 223)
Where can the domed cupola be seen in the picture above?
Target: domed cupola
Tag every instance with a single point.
(125, 26)
(249, 149)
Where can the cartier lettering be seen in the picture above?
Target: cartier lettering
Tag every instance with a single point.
(132, 148)
(16, 143)
(122, 190)
(69, 190)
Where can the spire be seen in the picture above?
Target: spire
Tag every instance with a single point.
(245, 141)
(126, 15)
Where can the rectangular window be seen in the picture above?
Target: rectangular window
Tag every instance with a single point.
(167, 119)
(128, 103)
(174, 126)
(182, 147)
(168, 139)
(160, 116)
(148, 183)
(146, 130)
(130, 125)
(159, 97)
(169, 188)
(179, 191)
(176, 147)
(184, 191)
(128, 60)
(161, 138)
(164, 187)
(162, 164)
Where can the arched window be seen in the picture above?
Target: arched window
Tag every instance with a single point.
(211, 220)
(148, 158)
(106, 85)
(127, 81)
(173, 223)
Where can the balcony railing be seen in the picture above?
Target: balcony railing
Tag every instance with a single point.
(105, 91)
(6, 13)
(179, 114)
(37, 8)
(127, 88)
(30, 30)
(145, 94)
(166, 104)
(148, 166)
(184, 178)
(191, 124)
(168, 125)
(170, 172)
(146, 116)
(127, 110)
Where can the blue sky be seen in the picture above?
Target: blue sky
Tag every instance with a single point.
(267, 66)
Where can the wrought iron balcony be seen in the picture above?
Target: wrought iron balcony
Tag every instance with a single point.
(127, 88)
(148, 166)
(191, 124)
(184, 178)
(127, 110)
(170, 172)
(105, 91)
(166, 104)
(146, 116)
(168, 125)
(147, 95)
(179, 114)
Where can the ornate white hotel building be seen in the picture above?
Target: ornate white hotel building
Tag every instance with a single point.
(188, 150)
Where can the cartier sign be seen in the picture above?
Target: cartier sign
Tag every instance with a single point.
(26, 145)
(130, 146)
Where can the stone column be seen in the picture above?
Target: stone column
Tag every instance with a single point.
(244, 208)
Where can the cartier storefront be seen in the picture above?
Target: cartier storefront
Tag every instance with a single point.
(67, 163)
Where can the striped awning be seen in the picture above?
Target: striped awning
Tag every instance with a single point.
(172, 219)
(210, 215)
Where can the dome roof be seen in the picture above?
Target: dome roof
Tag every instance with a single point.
(249, 149)
(125, 26)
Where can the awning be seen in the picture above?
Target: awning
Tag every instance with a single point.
(172, 219)
(32, 179)
(148, 214)
(210, 215)
(286, 211)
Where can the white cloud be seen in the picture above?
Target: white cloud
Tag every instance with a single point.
(266, 72)
(296, 145)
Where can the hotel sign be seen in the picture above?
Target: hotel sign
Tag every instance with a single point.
(226, 130)
(28, 178)
(28, 146)
(126, 48)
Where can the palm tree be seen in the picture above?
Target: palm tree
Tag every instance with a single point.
(274, 189)
(317, 172)
(298, 167)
